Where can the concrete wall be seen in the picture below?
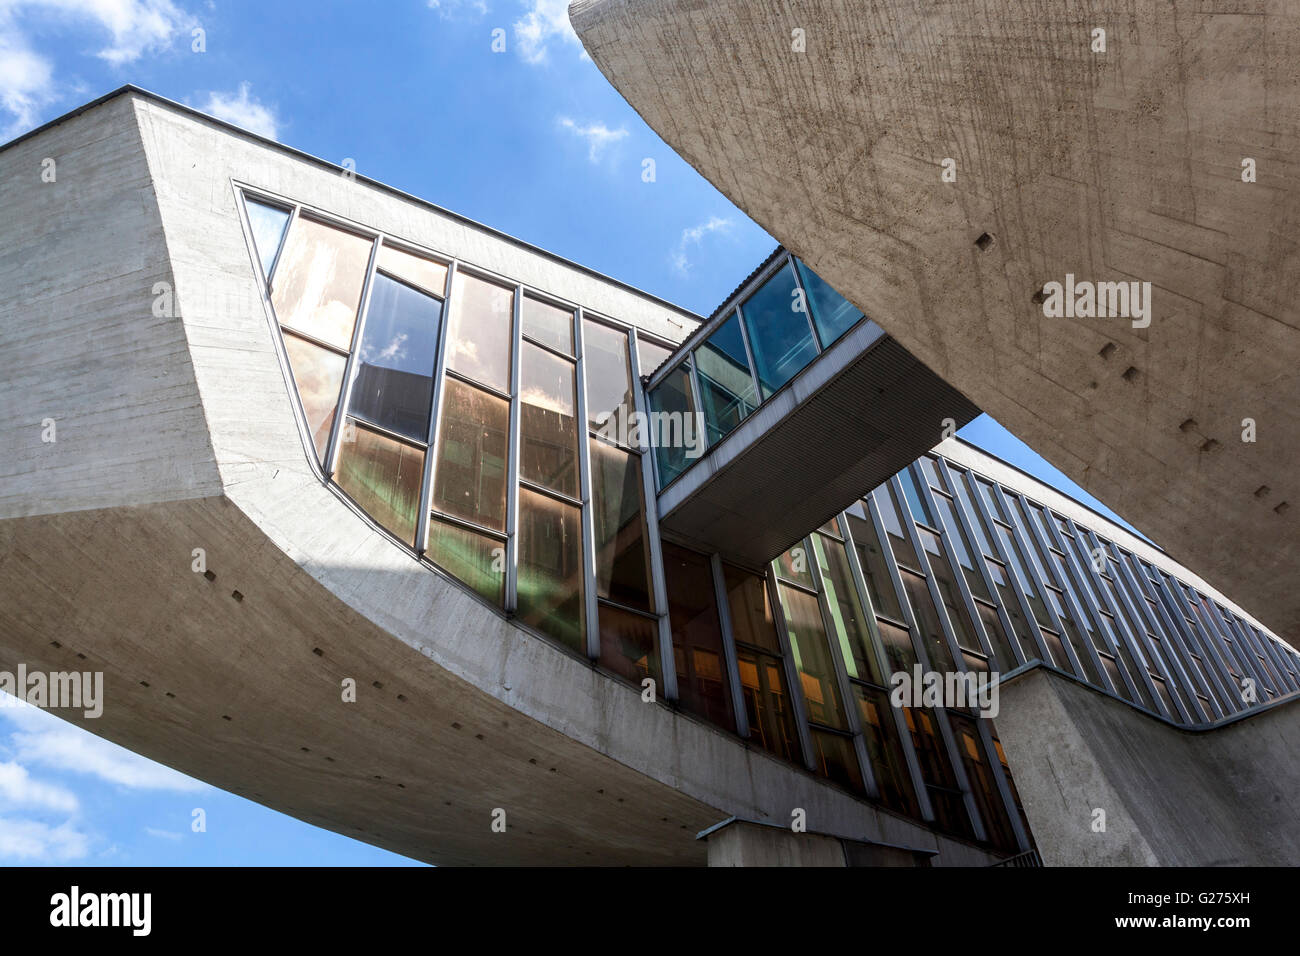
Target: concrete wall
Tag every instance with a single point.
(1224, 797)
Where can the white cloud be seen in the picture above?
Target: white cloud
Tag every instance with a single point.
(448, 9)
(162, 834)
(17, 787)
(542, 22)
(25, 81)
(48, 741)
(32, 840)
(679, 257)
(243, 110)
(597, 135)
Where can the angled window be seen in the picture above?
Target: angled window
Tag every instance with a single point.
(383, 476)
(393, 387)
(471, 463)
(622, 546)
(832, 313)
(702, 684)
(779, 333)
(318, 281)
(550, 567)
(318, 377)
(548, 424)
(727, 391)
(479, 336)
(268, 224)
(677, 444)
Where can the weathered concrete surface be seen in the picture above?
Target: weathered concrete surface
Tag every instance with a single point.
(1117, 166)
(176, 433)
(745, 843)
(1171, 797)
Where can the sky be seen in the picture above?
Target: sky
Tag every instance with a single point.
(486, 107)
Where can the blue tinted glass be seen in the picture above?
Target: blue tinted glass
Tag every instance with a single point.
(914, 500)
(673, 427)
(394, 383)
(726, 385)
(832, 313)
(780, 336)
(268, 227)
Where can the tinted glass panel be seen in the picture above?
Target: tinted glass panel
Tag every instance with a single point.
(885, 750)
(780, 336)
(650, 356)
(414, 270)
(962, 627)
(268, 224)
(702, 683)
(927, 619)
(961, 547)
(478, 339)
(726, 385)
(471, 466)
(836, 760)
(476, 559)
(548, 324)
(832, 313)
(812, 657)
(991, 808)
(795, 565)
(751, 611)
(874, 569)
(550, 567)
(920, 510)
(318, 281)
(629, 645)
(936, 771)
(767, 703)
(847, 615)
(899, 653)
(394, 383)
(548, 424)
(318, 376)
(622, 548)
(677, 441)
(608, 380)
(890, 517)
(383, 476)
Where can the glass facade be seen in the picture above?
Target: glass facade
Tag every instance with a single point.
(486, 427)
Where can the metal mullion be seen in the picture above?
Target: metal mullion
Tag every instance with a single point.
(1091, 595)
(319, 343)
(1126, 584)
(981, 565)
(350, 370)
(1009, 567)
(588, 494)
(398, 437)
(1248, 657)
(472, 383)
(1270, 650)
(435, 416)
(1067, 592)
(1018, 830)
(658, 581)
(512, 460)
(798, 704)
(807, 303)
(1031, 568)
(729, 644)
(558, 353)
(914, 635)
(1196, 639)
(1248, 640)
(1125, 617)
(1178, 653)
(954, 648)
(836, 652)
(749, 355)
(547, 492)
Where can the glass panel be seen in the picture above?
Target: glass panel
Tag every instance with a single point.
(767, 704)
(978, 524)
(885, 750)
(874, 569)
(622, 547)
(629, 646)
(482, 316)
(847, 616)
(476, 559)
(931, 469)
(832, 313)
(548, 324)
(1007, 598)
(1012, 551)
(962, 627)
(751, 611)
(936, 771)
(793, 565)
(650, 356)
(991, 498)
(677, 443)
(812, 657)
(836, 760)
(608, 379)
(984, 788)
(414, 270)
(702, 684)
(394, 384)
(318, 376)
(726, 385)
(383, 476)
(548, 423)
(318, 281)
(550, 567)
(898, 647)
(268, 224)
(780, 336)
(471, 464)
(1006, 657)
(890, 517)
(961, 547)
(920, 510)
(927, 619)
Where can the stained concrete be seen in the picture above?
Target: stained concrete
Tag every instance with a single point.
(1123, 165)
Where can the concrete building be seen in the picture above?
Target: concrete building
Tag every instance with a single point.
(387, 520)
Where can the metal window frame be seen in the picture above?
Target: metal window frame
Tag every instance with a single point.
(739, 714)
(435, 417)
(587, 491)
(1194, 643)
(797, 700)
(350, 370)
(1127, 585)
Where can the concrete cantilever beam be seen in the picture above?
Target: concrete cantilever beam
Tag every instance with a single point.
(831, 123)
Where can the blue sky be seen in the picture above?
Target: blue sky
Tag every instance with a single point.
(531, 140)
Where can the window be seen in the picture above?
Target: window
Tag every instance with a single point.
(779, 335)
(622, 547)
(471, 463)
(318, 281)
(650, 356)
(609, 380)
(879, 585)
(474, 558)
(318, 376)
(832, 313)
(268, 224)
(702, 685)
(479, 337)
(727, 391)
(550, 568)
(762, 673)
(812, 658)
(836, 760)
(424, 274)
(677, 444)
(847, 616)
(383, 476)
(395, 362)
(927, 619)
(548, 424)
(936, 770)
(983, 786)
(547, 324)
(885, 750)
(629, 644)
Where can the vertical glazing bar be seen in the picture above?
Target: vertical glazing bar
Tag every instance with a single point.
(350, 370)
(749, 356)
(1000, 781)
(666, 659)
(1189, 636)
(729, 644)
(1249, 663)
(430, 458)
(1213, 642)
(1268, 648)
(1127, 584)
(587, 493)
(807, 306)
(512, 458)
(1159, 616)
(797, 701)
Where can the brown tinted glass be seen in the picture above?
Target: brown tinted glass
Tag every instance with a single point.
(608, 380)
(702, 685)
(547, 324)
(812, 657)
(477, 559)
(548, 428)
(420, 272)
(622, 547)
(899, 653)
(751, 611)
(318, 376)
(836, 760)
(767, 703)
(795, 565)
(471, 465)
(992, 810)
(479, 337)
(383, 476)
(927, 619)
(936, 770)
(550, 567)
(874, 569)
(318, 281)
(629, 645)
(880, 734)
